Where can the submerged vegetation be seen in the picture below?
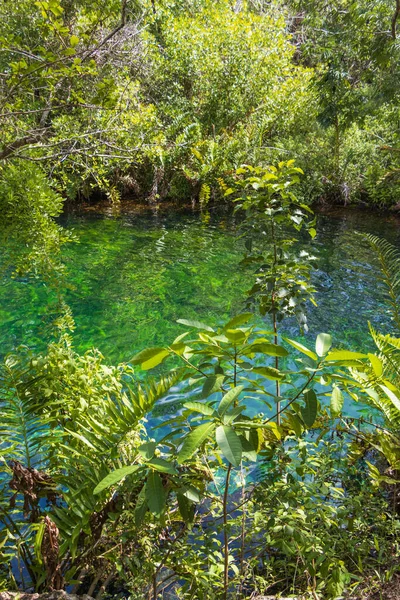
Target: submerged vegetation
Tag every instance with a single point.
(276, 468)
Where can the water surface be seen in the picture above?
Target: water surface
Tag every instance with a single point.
(132, 276)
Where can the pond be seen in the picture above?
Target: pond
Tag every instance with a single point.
(132, 276)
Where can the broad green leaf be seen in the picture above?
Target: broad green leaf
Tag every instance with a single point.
(336, 402)
(238, 320)
(191, 493)
(323, 343)
(344, 355)
(269, 349)
(141, 507)
(249, 450)
(115, 477)
(309, 411)
(235, 335)
(196, 324)
(164, 466)
(147, 450)
(212, 384)
(204, 409)
(269, 373)
(229, 398)
(194, 440)
(295, 424)
(150, 357)
(155, 494)
(185, 508)
(230, 444)
(235, 412)
(301, 348)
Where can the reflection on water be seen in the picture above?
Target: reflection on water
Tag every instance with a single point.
(133, 276)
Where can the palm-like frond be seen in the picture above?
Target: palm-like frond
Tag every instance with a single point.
(389, 353)
(389, 259)
(24, 436)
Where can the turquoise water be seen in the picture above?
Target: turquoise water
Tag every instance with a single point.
(132, 276)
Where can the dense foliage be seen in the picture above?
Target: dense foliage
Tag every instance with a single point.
(258, 481)
(158, 99)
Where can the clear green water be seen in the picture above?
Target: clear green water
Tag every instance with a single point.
(132, 276)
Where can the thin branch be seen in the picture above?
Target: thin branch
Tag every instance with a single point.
(394, 19)
(112, 33)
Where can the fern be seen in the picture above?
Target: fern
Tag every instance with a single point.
(389, 259)
(25, 436)
(76, 419)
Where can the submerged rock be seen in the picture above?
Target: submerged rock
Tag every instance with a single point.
(321, 280)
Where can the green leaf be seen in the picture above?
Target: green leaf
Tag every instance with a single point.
(376, 364)
(395, 399)
(74, 40)
(336, 402)
(238, 320)
(155, 494)
(150, 357)
(204, 409)
(294, 423)
(309, 411)
(275, 429)
(249, 451)
(194, 440)
(301, 348)
(185, 508)
(141, 507)
(191, 493)
(230, 444)
(235, 335)
(229, 398)
(269, 373)
(196, 324)
(323, 343)
(147, 450)
(115, 477)
(269, 349)
(235, 412)
(212, 384)
(339, 355)
(164, 466)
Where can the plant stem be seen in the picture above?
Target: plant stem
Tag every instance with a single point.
(275, 325)
(155, 586)
(226, 537)
(243, 531)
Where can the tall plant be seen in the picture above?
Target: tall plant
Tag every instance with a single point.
(272, 212)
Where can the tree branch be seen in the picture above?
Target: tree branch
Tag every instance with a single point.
(394, 19)
(25, 141)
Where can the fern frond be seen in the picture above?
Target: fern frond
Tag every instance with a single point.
(389, 353)
(389, 259)
(24, 435)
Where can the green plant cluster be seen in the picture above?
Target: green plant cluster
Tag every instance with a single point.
(257, 482)
(157, 99)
